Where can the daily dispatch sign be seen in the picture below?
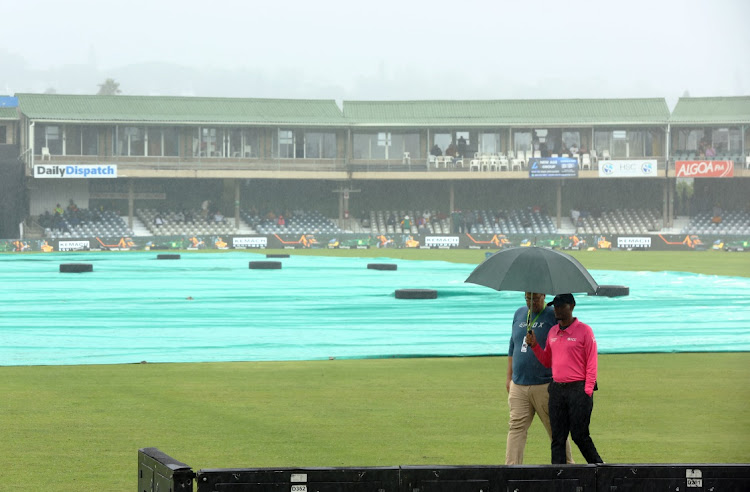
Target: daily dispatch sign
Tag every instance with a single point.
(704, 169)
(553, 167)
(75, 171)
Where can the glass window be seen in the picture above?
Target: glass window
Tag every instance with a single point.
(735, 141)
(90, 140)
(571, 138)
(489, 143)
(362, 145)
(72, 140)
(320, 145)
(689, 139)
(636, 144)
(130, 141)
(602, 142)
(727, 140)
(442, 140)
(209, 143)
(522, 141)
(404, 142)
(171, 136)
(251, 142)
(154, 141)
(137, 141)
(52, 139)
(286, 144)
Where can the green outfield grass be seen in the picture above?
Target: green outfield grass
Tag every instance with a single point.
(706, 262)
(73, 428)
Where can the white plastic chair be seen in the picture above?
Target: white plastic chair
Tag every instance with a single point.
(46, 154)
(586, 162)
(406, 159)
(475, 165)
(605, 155)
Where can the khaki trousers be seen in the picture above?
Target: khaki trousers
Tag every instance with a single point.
(524, 401)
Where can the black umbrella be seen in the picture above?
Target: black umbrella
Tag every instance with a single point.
(532, 269)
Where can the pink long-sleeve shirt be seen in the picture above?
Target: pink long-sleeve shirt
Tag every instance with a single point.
(571, 353)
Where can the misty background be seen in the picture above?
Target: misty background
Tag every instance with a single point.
(389, 49)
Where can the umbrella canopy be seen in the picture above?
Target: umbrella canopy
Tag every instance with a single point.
(532, 269)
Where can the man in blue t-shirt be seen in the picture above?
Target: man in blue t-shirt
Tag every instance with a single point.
(527, 379)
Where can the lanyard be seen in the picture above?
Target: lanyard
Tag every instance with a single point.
(528, 317)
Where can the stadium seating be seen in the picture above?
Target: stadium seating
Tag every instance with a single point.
(176, 225)
(311, 222)
(732, 223)
(87, 223)
(621, 221)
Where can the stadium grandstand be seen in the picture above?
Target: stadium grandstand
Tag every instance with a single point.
(93, 171)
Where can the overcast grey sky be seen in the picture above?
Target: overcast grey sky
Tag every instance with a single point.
(390, 49)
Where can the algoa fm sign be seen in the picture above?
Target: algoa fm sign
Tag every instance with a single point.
(704, 169)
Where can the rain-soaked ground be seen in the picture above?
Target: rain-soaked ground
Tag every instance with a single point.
(212, 307)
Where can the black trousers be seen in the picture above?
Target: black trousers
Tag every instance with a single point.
(570, 412)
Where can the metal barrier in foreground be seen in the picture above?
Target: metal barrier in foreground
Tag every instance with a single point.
(159, 472)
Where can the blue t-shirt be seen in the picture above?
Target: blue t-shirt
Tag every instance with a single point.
(527, 369)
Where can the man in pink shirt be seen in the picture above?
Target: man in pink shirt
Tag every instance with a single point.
(571, 353)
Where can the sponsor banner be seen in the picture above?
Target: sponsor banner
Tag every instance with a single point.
(441, 241)
(75, 171)
(73, 245)
(553, 167)
(633, 242)
(249, 242)
(585, 241)
(645, 168)
(704, 169)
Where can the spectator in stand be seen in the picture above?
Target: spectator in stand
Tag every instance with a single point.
(281, 222)
(406, 224)
(457, 222)
(574, 149)
(452, 150)
(462, 147)
(158, 221)
(436, 150)
(59, 210)
(710, 152)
